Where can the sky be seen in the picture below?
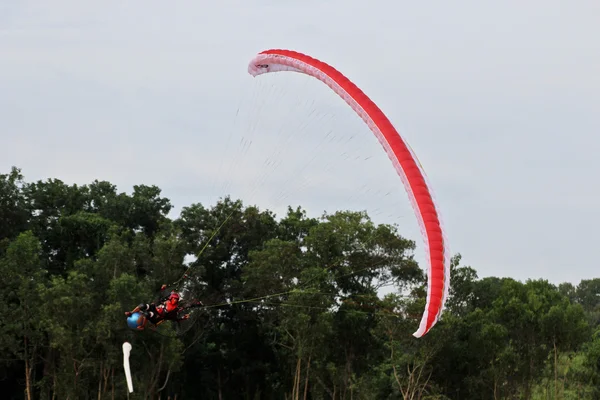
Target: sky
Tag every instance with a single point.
(499, 100)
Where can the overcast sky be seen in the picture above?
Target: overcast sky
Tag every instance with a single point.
(499, 101)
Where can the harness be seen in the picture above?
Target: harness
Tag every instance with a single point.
(166, 307)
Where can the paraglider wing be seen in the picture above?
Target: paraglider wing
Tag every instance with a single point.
(402, 157)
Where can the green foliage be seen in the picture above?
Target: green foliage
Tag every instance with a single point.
(293, 307)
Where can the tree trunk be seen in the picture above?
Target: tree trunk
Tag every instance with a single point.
(329, 392)
(151, 389)
(48, 375)
(75, 378)
(100, 376)
(306, 378)
(555, 369)
(296, 386)
(348, 371)
(105, 375)
(219, 383)
(54, 386)
(27, 381)
(27, 371)
(495, 388)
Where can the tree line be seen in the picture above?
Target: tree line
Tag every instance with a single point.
(291, 307)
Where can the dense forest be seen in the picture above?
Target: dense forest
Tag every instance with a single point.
(291, 307)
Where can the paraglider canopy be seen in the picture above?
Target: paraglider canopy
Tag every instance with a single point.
(403, 159)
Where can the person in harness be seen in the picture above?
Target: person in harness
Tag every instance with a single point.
(166, 308)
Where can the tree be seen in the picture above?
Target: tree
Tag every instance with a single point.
(293, 306)
(21, 306)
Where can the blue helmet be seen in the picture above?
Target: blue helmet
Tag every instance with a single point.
(134, 320)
